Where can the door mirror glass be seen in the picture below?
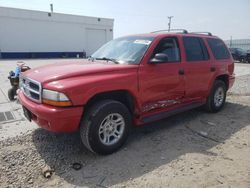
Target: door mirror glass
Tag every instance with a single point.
(159, 58)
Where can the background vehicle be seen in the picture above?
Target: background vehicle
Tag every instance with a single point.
(129, 81)
(248, 56)
(239, 54)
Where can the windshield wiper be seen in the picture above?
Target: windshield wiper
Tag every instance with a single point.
(108, 59)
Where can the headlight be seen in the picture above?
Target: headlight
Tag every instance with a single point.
(55, 98)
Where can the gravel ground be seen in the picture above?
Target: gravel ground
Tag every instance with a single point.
(192, 149)
(241, 86)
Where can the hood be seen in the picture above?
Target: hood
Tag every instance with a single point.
(63, 70)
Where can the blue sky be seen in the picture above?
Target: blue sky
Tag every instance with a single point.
(223, 18)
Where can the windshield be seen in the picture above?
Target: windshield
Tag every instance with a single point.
(124, 50)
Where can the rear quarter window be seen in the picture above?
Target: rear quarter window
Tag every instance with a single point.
(218, 48)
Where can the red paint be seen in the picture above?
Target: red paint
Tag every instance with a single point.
(154, 87)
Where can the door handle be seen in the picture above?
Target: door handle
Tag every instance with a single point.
(212, 69)
(181, 72)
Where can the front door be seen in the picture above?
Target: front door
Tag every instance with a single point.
(161, 84)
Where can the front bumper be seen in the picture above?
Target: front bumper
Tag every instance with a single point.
(52, 118)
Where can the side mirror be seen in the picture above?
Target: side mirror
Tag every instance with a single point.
(159, 58)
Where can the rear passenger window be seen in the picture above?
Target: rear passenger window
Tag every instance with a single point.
(195, 49)
(218, 48)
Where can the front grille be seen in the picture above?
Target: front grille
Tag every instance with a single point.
(31, 88)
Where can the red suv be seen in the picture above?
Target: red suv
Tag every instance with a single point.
(129, 81)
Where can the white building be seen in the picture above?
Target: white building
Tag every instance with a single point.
(28, 33)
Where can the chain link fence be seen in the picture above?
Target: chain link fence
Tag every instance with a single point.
(239, 43)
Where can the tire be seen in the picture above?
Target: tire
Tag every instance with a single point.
(11, 94)
(217, 97)
(95, 125)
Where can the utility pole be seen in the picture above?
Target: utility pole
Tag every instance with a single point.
(51, 8)
(169, 22)
(231, 42)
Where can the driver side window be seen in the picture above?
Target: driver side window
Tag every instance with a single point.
(170, 47)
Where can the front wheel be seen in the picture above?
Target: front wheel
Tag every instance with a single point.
(105, 127)
(217, 97)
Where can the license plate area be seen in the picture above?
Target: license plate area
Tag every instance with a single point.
(27, 113)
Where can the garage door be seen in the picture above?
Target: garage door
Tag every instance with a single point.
(95, 39)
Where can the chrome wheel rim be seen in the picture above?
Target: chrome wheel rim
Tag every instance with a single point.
(219, 97)
(111, 129)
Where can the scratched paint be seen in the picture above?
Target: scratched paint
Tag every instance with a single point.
(160, 104)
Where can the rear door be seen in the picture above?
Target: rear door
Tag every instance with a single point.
(199, 70)
(161, 85)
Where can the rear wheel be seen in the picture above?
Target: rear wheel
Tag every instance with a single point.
(11, 94)
(217, 97)
(105, 127)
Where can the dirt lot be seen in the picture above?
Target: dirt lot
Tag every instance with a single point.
(192, 149)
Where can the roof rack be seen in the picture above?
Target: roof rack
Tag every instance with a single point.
(166, 30)
(203, 33)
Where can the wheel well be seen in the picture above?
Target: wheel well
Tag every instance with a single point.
(225, 79)
(122, 96)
